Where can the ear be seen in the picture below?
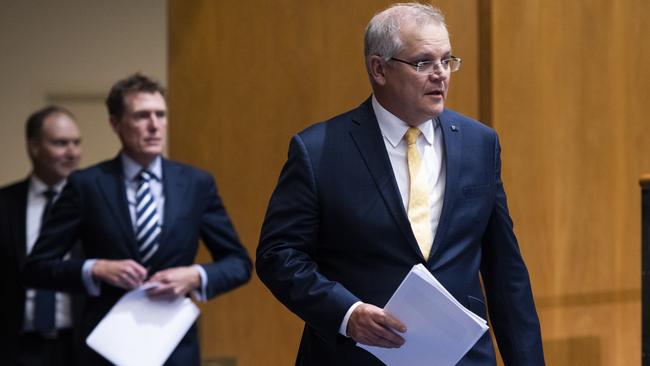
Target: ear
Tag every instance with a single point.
(32, 147)
(377, 69)
(114, 123)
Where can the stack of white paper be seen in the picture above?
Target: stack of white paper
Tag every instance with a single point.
(139, 331)
(440, 330)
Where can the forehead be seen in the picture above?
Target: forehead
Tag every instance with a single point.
(427, 38)
(144, 101)
(59, 125)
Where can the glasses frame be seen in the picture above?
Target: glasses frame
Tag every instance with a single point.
(444, 63)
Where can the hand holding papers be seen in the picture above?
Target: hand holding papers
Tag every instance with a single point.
(140, 331)
(440, 330)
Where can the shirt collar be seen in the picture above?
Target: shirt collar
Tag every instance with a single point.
(131, 169)
(394, 128)
(37, 186)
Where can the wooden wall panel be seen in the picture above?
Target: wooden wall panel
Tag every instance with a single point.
(243, 78)
(570, 92)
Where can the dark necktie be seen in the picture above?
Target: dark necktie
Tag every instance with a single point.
(44, 301)
(147, 225)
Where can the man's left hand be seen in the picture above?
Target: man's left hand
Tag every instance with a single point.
(174, 283)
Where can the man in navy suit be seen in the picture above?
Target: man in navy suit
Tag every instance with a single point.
(398, 181)
(28, 337)
(139, 217)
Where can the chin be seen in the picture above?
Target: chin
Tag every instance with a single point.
(437, 110)
(153, 150)
(62, 174)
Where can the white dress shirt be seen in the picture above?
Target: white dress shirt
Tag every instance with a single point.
(36, 202)
(430, 146)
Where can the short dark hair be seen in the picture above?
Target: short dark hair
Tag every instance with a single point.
(34, 124)
(132, 84)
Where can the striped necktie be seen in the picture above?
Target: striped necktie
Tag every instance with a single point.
(148, 229)
(45, 300)
(419, 209)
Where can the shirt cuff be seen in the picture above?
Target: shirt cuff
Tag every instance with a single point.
(93, 286)
(201, 293)
(344, 324)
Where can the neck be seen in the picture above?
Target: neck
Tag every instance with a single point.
(143, 161)
(50, 180)
(395, 110)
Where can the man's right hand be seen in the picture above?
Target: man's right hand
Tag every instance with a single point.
(126, 273)
(373, 326)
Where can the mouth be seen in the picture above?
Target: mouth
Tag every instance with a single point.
(437, 90)
(438, 93)
(69, 164)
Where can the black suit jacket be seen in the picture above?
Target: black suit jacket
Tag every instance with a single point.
(13, 238)
(336, 232)
(93, 208)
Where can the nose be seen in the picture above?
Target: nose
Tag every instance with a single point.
(154, 122)
(438, 73)
(73, 150)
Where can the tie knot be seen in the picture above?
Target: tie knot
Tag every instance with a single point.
(412, 135)
(49, 194)
(144, 176)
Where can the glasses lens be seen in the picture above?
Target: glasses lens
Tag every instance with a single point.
(448, 65)
(426, 67)
(454, 64)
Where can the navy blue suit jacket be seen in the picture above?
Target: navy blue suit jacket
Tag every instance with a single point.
(13, 249)
(93, 208)
(336, 232)
(13, 238)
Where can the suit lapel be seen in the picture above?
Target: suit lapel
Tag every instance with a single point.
(451, 136)
(174, 189)
(111, 184)
(368, 138)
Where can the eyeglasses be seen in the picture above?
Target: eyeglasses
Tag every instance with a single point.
(451, 63)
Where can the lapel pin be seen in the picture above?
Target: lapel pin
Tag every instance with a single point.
(454, 128)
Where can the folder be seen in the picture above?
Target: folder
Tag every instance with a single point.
(440, 330)
(139, 331)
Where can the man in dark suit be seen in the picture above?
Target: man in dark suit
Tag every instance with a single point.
(398, 181)
(36, 325)
(139, 217)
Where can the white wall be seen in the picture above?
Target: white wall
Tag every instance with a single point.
(70, 52)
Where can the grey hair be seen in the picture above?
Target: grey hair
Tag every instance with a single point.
(382, 33)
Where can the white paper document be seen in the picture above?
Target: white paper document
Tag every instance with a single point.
(139, 331)
(440, 330)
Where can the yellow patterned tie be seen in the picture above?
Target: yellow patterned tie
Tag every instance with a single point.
(419, 210)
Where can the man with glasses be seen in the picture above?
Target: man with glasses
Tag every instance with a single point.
(398, 181)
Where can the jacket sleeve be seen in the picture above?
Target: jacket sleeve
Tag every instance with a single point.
(287, 258)
(231, 266)
(45, 267)
(507, 285)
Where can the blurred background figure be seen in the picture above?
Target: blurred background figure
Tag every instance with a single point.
(37, 324)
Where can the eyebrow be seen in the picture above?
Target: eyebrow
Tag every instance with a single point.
(429, 56)
(146, 112)
(64, 140)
